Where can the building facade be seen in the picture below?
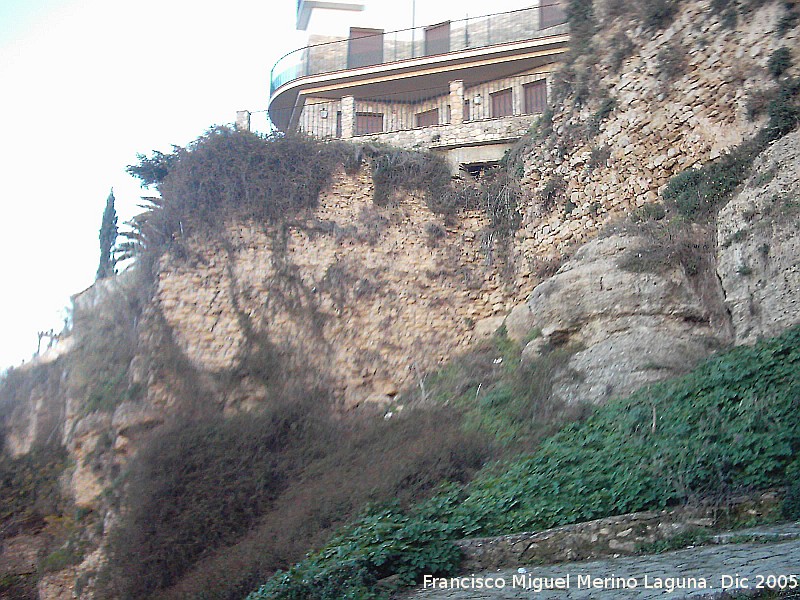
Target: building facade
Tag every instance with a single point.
(467, 87)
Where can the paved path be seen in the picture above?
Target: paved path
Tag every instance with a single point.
(701, 572)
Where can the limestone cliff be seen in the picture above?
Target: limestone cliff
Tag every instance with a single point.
(370, 298)
(638, 105)
(634, 327)
(373, 296)
(758, 245)
(629, 328)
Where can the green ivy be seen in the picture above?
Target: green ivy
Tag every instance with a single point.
(729, 425)
(381, 544)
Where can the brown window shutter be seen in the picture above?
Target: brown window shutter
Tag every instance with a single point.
(365, 47)
(502, 103)
(437, 39)
(535, 97)
(551, 12)
(367, 123)
(429, 117)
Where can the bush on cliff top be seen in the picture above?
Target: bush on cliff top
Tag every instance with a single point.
(226, 174)
(735, 417)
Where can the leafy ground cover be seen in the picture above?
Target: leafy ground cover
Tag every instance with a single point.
(729, 425)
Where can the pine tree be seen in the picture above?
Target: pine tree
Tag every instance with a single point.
(108, 237)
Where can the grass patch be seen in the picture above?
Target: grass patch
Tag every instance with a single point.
(29, 488)
(668, 243)
(698, 193)
(504, 396)
(779, 61)
(61, 558)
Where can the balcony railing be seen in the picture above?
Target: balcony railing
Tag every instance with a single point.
(373, 47)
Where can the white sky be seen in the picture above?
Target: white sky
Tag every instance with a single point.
(84, 86)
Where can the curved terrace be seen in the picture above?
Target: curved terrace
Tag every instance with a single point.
(372, 61)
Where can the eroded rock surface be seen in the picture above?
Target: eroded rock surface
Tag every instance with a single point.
(629, 328)
(759, 245)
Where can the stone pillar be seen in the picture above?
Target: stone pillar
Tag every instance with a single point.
(243, 120)
(518, 97)
(348, 117)
(456, 102)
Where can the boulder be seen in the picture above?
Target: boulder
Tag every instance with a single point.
(624, 329)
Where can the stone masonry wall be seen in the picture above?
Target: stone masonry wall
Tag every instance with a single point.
(372, 296)
(611, 536)
(446, 135)
(659, 126)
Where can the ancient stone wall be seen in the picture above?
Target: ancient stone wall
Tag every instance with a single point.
(662, 119)
(373, 296)
(611, 536)
(435, 136)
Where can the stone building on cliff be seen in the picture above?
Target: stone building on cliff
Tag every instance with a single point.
(464, 85)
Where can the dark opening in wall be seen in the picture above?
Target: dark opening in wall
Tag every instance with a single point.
(477, 169)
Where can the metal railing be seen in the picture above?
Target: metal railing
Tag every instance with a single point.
(387, 47)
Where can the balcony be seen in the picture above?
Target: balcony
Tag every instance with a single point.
(374, 63)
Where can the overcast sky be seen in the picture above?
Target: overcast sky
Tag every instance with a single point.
(84, 86)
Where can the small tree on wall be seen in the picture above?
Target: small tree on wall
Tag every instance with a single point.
(108, 237)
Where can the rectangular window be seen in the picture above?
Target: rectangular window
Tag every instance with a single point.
(365, 47)
(502, 103)
(535, 97)
(338, 123)
(437, 39)
(429, 117)
(551, 12)
(368, 123)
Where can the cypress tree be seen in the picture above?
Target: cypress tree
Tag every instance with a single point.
(108, 237)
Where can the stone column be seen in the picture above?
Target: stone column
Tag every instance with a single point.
(518, 97)
(348, 117)
(456, 102)
(243, 120)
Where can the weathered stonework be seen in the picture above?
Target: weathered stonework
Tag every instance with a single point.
(611, 536)
(383, 294)
(655, 130)
(439, 137)
(759, 245)
(627, 328)
(398, 291)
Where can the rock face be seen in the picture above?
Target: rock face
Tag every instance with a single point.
(633, 328)
(369, 295)
(655, 122)
(628, 328)
(39, 413)
(759, 245)
(377, 295)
